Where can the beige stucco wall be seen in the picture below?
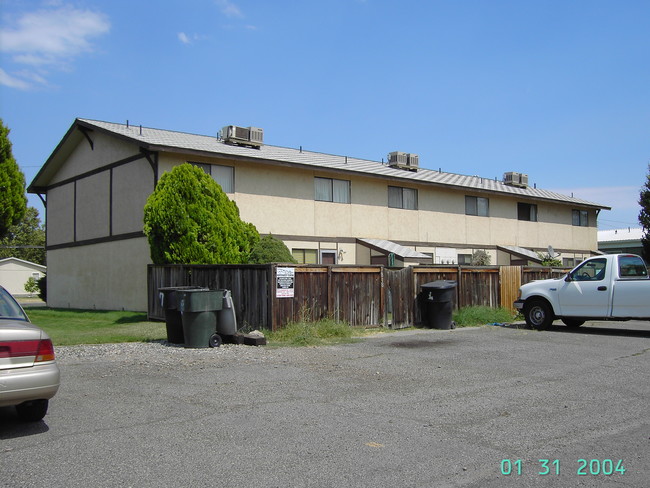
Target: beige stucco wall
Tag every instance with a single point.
(60, 215)
(132, 185)
(281, 201)
(106, 276)
(83, 158)
(93, 206)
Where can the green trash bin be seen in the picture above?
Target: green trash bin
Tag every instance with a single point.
(198, 310)
(169, 300)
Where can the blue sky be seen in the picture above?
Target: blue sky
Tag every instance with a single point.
(556, 89)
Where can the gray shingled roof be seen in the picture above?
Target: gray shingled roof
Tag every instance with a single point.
(157, 139)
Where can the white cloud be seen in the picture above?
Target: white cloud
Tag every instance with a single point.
(229, 9)
(13, 82)
(49, 37)
(183, 38)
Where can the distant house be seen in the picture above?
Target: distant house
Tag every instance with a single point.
(327, 209)
(15, 272)
(621, 240)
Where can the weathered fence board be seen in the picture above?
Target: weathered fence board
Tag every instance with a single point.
(510, 281)
(359, 295)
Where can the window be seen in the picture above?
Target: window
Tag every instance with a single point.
(464, 259)
(224, 175)
(527, 212)
(631, 267)
(593, 270)
(477, 206)
(406, 198)
(568, 262)
(305, 256)
(331, 190)
(580, 218)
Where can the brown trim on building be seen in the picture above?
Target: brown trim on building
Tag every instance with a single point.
(98, 240)
(96, 171)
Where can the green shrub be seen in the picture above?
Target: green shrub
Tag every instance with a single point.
(31, 286)
(270, 250)
(42, 288)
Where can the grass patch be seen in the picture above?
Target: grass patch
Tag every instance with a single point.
(476, 316)
(304, 333)
(68, 327)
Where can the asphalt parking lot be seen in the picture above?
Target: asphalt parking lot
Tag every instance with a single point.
(426, 408)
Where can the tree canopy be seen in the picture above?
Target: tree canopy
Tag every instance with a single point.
(644, 216)
(188, 219)
(26, 239)
(13, 201)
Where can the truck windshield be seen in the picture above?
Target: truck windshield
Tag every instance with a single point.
(631, 267)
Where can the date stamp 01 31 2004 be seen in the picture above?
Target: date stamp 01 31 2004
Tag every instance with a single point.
(551, 467)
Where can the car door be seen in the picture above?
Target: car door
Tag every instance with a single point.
(586, 292)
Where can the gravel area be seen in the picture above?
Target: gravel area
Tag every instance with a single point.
(160, 352)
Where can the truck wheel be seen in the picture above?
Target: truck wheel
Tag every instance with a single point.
(573, 323)
(538, 314)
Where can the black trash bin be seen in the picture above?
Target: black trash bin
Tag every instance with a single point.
(169, 301)
(437, 300)
(199, 316)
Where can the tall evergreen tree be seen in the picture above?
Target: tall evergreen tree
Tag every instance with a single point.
(13, 201)
(190, 220)
(644, 216)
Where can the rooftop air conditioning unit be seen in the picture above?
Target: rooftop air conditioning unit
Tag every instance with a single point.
(519, 180)
(243, 136)
(402, 160)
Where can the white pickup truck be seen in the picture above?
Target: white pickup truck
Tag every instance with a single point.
(608, 287)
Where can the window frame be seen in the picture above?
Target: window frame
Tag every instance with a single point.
(580, 218)
(473, 208)
(300, 255)
(207, 168)
(398, 193)
(331, 191)
(528, 210)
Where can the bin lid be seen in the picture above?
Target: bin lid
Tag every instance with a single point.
(439, 285)
(182, 288)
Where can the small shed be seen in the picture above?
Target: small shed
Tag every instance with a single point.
(15, 272)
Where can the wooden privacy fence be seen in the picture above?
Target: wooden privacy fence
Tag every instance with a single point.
(359, 295)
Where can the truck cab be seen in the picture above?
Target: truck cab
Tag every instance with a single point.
(608, 287)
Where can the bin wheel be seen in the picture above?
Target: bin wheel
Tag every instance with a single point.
(215, 340)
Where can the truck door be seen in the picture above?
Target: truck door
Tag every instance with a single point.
(587, 291)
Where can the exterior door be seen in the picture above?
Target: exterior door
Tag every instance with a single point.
(587, 293)
(328, 257)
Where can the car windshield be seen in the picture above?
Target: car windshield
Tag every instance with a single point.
(9, 308)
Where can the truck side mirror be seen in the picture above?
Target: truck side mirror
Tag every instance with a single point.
(568, 278)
